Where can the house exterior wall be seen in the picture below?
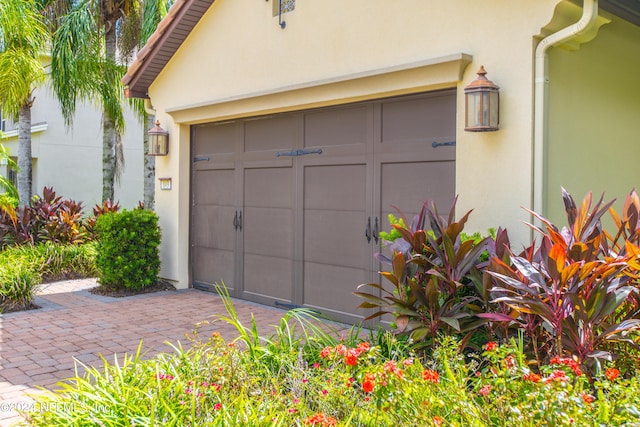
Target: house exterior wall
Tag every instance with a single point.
(594, 107)
(238, 62)
(70, 160)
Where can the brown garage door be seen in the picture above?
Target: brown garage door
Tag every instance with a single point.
(283, 205)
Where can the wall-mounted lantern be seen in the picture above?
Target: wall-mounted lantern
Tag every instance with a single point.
(482, 104)
(158, 141)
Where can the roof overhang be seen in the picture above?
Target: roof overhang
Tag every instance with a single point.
(162, 45)
(625, 9)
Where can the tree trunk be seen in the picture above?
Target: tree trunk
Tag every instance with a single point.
(24, 154)
(108, 127)
(149, 169)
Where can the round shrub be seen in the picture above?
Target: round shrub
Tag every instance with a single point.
(128, 242)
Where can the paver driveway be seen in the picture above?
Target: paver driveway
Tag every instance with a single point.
(38, 347)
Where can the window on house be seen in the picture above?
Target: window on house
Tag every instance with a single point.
(3, 124)
(283, 6)
(12, 176)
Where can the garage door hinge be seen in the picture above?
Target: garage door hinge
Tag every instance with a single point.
(298, 152)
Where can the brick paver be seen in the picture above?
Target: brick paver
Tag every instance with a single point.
(38, 347)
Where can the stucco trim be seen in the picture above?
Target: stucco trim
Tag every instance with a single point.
(429, 74)
(38, 127)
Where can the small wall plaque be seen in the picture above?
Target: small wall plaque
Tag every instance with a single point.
(165, 183)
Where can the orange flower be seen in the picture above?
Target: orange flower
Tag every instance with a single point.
(429, 375)
(351, 357)
(534, 378)
(587, 398)
(437, 421)
(320, 419)
(612, 374)
(326, 352)
(491, 345)
(362, 347)
(368, 383)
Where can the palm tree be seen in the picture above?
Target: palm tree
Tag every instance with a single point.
(6, 186)
(23, 36)
(90, 49)
(135, 32)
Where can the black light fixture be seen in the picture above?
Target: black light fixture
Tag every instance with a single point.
(158, 141)
(482, 104)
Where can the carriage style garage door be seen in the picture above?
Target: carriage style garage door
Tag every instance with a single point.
(287, 209)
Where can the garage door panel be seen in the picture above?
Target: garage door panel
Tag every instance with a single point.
(215, 187)
(268, 276)
(269, 187)
(425, 118)
(268, 231)
(213, 227)
(211, 266)
(345, 126)
(335, 187)
(330, 288)
(408, 185)
(274, 133)
(214, 138)
(336, 238)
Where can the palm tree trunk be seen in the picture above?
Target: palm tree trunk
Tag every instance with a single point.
(149, 170)
(108, 128)
(24, 154)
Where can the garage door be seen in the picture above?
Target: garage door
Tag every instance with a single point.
(287, 209)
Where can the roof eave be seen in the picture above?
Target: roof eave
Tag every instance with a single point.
(184, 14)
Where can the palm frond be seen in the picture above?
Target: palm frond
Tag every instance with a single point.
(76, 59)
(22, 37)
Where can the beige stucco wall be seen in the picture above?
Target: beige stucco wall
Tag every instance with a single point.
(594, 113)
(238, 62)
(70, 159)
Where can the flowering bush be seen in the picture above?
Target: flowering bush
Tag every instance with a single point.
(342, 383)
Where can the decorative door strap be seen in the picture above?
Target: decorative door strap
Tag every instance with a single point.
(443, 144)
(298, 152)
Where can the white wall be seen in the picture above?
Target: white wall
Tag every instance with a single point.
(70, 160)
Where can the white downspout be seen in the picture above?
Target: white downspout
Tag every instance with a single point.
(541, 79)
(148, 107)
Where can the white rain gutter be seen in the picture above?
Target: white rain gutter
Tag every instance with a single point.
(541, 79)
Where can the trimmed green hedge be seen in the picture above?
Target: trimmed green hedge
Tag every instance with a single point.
(128, 244)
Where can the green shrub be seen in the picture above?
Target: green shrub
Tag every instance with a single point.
(18, 284)
(23, 268)
(128, 244)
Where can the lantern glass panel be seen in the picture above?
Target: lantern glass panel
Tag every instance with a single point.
(494, 110)
(474, 109)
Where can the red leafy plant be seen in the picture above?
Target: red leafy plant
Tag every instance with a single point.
(574, 281)
(430, 277)
(47, 218)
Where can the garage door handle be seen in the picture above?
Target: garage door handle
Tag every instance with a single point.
(375, 230)
(367, 230)
(237, 220)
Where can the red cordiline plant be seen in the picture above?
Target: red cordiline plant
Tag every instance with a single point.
(47, 218)
(574, 281)
(429, 272)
